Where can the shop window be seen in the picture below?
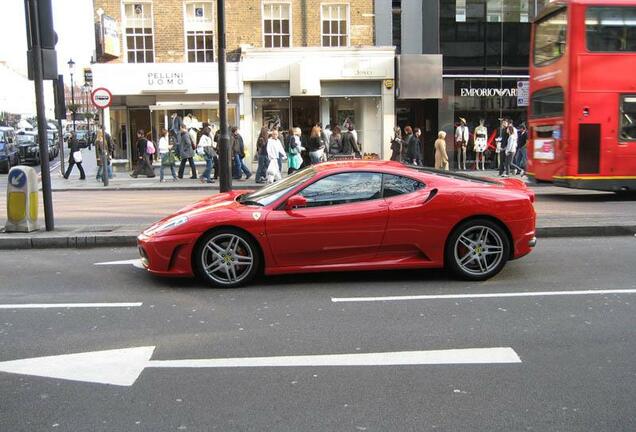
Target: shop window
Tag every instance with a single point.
(139, 32)
(335, 25)
(199, 26)
(276, 25)
(611, 29)
(550, 38)
(548, 102)
(343, 189)
(628, 118)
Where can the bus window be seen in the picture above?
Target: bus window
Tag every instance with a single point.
(549, 38)
(547, 102)
(611, 29)
(628, 118)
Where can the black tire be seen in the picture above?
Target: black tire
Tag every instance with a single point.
(477, 250)
(216, 260)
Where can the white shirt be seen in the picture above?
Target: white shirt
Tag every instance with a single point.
(205, 141)
(511, 147)
(164, 145)
(461, 134)
(275, 149)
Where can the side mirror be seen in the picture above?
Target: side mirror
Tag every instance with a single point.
(296, 201)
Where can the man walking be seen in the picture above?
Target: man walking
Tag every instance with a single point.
(238, 152)
(187, 153)
(144, 162)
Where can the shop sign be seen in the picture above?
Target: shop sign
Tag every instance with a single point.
(110, 36)
(487, 92)
(523, 93)
(544, 149)
(165, 80)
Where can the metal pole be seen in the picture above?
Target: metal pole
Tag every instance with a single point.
(105, 153)
(39, 103)
(73, 102)
(59, 125)
(225, 154)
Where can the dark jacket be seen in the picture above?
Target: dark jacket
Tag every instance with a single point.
(238, 147)
(261, 146)
(314, 144)
(142, 143)
(523, 139)
(349, 144)
(396, 149)
(335, 144)
(185, 147)
(413, 151)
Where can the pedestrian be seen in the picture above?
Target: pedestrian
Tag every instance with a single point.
(349, 141)
(441, 157)
(417, 132)
(110, 145)
(521, 156)
(75, 157)
(207, 151)
(144, 164)
(101, 152)
(480, 140)
(261, 151)
(510, 150)
(187, 153)
(238, 153)
(166, 155)
(294, 158)
(175, 129)
(335, 141)
(315, 146)
(396, 144)
(412, 146)
(275, 151)
(461, 142)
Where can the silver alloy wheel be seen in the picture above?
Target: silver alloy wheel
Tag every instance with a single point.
(227, 259)
(478, 250)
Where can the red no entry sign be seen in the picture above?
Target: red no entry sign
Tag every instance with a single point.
(102, 98)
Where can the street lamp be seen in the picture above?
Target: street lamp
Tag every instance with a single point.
(71, 64)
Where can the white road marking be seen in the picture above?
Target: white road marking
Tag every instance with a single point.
(123, 366)
(133, 262)
(67, 305)
(486, 295)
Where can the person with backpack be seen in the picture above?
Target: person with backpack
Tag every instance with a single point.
(187, 153)
(144, 156)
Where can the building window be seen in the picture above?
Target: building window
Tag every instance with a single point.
(276, 25)
(139, 34)
(199, 26)
(334, 25)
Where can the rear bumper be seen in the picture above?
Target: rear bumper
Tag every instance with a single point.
(167, 255)
(524, 237)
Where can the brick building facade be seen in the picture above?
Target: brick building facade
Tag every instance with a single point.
(301, 61)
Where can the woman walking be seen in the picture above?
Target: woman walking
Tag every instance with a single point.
(275, 151)
(261, 151)
(75, 158)
(441, 157)
(295, 160)
(205, 147)
(315, 146)
(144, 164)
(335, 141)
(166, 155)
(396, 144)
(101, 152)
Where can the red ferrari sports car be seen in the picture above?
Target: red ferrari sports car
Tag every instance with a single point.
(341, 216)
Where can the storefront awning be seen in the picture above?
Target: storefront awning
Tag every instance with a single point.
(175, 105)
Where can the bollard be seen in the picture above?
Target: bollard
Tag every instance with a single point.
(22, 200)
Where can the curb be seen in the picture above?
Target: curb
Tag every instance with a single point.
(129, 239)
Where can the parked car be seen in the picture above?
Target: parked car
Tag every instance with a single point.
(27, 143)
(9, 155)
(54, 148)
(344, 216)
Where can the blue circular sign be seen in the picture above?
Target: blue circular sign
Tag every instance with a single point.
(17, 178)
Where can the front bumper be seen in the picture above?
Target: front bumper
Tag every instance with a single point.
(169, 255)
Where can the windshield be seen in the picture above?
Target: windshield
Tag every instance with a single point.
(271, 193)
(25, 139)
(549, 38)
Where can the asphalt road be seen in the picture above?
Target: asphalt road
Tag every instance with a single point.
(577, 370)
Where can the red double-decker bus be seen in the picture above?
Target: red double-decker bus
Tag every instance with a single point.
(582, 113)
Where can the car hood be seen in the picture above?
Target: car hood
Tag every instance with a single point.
(221, 203)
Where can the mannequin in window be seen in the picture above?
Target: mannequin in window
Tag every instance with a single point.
(480, 139)
(461, 141)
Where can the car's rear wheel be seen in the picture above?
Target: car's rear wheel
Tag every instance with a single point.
(227, 258)
(477, 250)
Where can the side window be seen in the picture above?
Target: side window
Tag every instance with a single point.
(398, 185)
(628, 118)
(343, 188)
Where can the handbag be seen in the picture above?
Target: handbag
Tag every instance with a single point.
(77, 156)
(167, 159)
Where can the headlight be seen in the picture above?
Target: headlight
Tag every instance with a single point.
(171, 223)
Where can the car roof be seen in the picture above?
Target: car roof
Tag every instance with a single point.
(357, 165)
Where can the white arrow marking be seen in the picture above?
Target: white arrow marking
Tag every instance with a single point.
(486, 295)
(68, 305)
(134, 262)
(123, 366)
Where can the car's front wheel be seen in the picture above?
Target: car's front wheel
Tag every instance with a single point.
(477, 250)
(227, 258)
